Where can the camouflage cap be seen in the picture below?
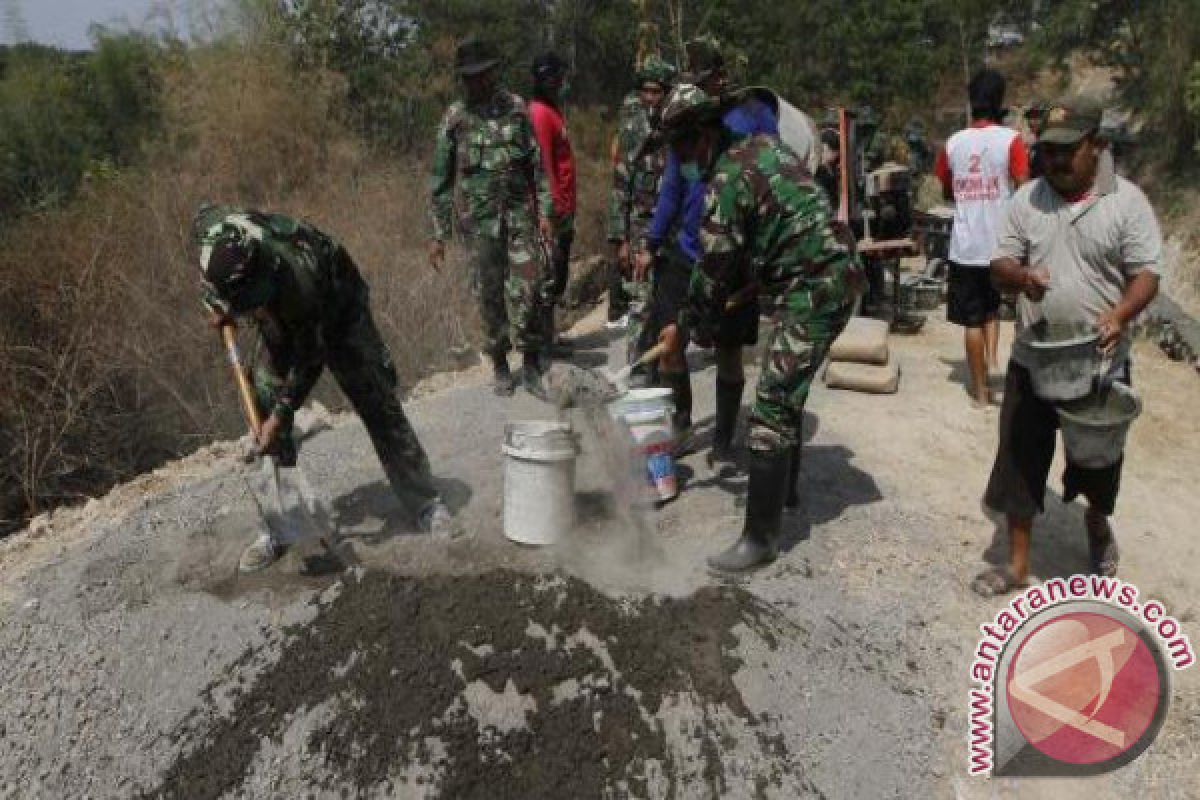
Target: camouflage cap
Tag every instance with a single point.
(1071, 119)
(232, 271)
(656, 69)
(474, 56)
(703, 56)
(687, 108)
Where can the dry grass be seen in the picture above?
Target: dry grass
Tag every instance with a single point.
(106, 365)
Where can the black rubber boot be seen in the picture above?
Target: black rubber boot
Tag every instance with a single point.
(531, 374)
(556, 346)
(729, 402)
(680, 384)
(769, 473)
(793, 488)
(503, 383)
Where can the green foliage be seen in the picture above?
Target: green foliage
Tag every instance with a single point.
(122, 93)
(1151, 45)
(43, 134)
(396, 55)
(63, 113)
(1192, 97)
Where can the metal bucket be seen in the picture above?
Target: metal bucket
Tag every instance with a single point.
(1063, 361)
(539, 481)
(1094, 428)
(921, 293)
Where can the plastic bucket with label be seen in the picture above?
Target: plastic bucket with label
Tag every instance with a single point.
(646, 414)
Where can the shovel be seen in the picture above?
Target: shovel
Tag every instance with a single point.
(285, 500)
(620, 378)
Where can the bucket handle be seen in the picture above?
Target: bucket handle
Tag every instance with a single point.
(518, 440)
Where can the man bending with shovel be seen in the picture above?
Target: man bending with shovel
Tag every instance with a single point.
(310, 305)
(767, 222)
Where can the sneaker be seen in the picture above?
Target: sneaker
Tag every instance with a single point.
(437, 521)
(618, 324)
(264, 552)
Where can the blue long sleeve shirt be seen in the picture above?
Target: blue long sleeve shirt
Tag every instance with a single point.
(680, 203)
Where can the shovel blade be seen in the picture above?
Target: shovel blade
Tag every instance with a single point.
(288, 504)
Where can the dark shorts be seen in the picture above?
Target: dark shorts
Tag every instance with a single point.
(739, 328)
(669, 292)
(972, 299)
(1028, 436)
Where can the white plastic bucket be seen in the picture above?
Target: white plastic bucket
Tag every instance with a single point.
(539, 481)
(646, 414)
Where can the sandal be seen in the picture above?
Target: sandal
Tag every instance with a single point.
(996, 581)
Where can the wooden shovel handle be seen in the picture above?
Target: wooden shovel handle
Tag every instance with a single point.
(652, 354)
(245, 389)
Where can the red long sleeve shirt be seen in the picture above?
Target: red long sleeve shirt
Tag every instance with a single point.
(551, 131)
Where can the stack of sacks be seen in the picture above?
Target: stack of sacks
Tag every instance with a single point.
(860, 359)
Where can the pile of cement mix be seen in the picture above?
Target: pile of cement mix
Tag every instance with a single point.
(500, 685)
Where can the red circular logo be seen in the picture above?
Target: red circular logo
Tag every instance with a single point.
(1084, 688)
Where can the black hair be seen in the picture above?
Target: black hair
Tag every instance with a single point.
(986, 93)
(546, 67)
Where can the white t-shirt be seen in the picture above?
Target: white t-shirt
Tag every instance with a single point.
(978, 165)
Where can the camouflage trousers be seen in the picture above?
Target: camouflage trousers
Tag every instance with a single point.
(637, 294)
(508, 276)
(363, 368)
(796, 347)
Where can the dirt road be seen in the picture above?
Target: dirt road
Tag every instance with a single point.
(136, 662)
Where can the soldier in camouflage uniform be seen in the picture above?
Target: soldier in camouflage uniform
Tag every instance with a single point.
(310, 305)
(765, 221)
(486, 148)
(638, 167)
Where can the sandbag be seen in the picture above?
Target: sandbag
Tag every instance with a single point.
(865, 341)
(869, 378)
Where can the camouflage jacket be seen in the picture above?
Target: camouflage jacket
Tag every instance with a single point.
(490, 155)
(766, 222)
(637, 173)
(318, 289)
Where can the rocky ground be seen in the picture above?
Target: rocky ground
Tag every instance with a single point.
(138, 663)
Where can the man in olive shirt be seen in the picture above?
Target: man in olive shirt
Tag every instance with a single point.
(1082, 247)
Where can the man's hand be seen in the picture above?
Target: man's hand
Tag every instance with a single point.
(268, 434)
(1037, 281)
(1111, 326)
(641, 265)
(622, 256)
(217, 318)
(546, 229)
(437, 254)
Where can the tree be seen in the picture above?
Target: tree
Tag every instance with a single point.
(1151, 45)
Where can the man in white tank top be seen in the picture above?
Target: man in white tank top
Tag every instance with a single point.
(979, 168)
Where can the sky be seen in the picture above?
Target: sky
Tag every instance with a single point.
(65, 22)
